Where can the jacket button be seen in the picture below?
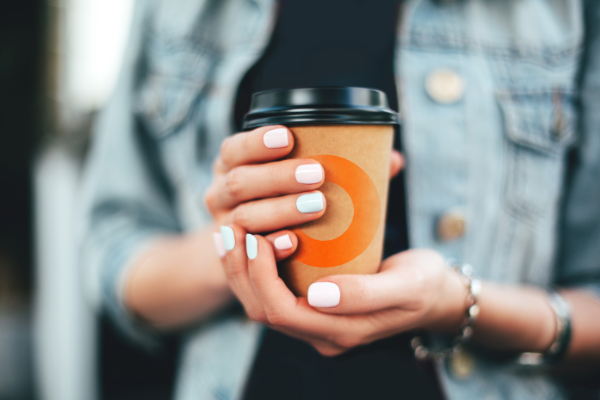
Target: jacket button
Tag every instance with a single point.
(444, 86)
(451, 225)
(461, 364)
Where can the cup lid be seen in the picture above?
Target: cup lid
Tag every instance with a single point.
(318, 106)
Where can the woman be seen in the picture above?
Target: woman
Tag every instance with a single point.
(501, 167)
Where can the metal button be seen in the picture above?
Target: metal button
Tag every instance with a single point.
(461, 363)
(451, 225)
(444, 86)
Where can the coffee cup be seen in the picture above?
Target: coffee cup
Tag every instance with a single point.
(349, 131)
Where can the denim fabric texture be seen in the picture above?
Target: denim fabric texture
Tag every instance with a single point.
(499, 154)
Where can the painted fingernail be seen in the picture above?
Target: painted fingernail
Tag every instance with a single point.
(309, 173)
(228, 237)
(276, 138)
(251, 246)
(283, 242)
(309, 203)
(219, 244)
(323, 294)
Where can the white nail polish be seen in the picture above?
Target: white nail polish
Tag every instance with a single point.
(309, 203)
(219, 244)
(309, 173)
(276, 138)
(228, 237)
(283, 242)
(251, 246)
(323, 294)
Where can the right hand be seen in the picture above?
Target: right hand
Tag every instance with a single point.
(255, 191)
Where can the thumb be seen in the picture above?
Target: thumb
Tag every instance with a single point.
(357, 294)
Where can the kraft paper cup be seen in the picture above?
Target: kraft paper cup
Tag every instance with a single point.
(349, 131)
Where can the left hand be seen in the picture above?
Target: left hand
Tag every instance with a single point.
(412, 290)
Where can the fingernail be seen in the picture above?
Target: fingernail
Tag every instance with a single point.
(219, 244)
(323, 294)
(309, 173)
(283, 242)
(228, 237)
(276, 139)
(251, 246)
(308, 203)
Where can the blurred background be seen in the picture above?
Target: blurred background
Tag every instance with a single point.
(59, 60)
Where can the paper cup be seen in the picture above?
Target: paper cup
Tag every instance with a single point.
(349, 131)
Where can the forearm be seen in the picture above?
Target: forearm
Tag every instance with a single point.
(514, 318)
(177, 281)
(521, 319)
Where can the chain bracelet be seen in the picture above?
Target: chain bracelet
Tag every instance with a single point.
(465, 272)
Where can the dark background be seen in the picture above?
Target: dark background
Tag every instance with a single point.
(126, 371)
(21, 31)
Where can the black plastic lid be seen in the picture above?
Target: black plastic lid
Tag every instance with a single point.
(319, 106)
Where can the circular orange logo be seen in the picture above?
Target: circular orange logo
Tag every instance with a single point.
(364, 225)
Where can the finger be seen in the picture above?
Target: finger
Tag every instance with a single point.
(234, 238)
(265, 263)
(220, 247)
(360, 294)
(359, 329)
(266, 143)
(262, 271)
(284, 243)
(287, 313)
(279, 212)
(396, 163)
(248, 182)
(325, 347)
(328, 349)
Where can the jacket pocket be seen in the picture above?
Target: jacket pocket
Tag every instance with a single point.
(176, 74)
(540, 127)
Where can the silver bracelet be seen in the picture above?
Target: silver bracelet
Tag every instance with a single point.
(562, 336)
(465, 272)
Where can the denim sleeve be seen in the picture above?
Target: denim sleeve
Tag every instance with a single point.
(126, 200)
(579, 261)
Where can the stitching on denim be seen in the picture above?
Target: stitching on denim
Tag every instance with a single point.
(192, 64)
(460, 42)
(510, 92)
(162, 124)
(510, 98)
(520, 205)
(206, 38)
(507, 245)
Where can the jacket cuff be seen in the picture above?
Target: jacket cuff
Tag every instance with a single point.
(120, 256)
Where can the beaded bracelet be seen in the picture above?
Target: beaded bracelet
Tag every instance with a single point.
(474, 285)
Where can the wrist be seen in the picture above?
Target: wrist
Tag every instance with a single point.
(471, 311)
(515, 318)
(448, 314)
(548, 324)
(177, 281)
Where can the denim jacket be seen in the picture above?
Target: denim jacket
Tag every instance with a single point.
(511, 152)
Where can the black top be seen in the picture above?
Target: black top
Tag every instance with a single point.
(336, 43)
(327, 43)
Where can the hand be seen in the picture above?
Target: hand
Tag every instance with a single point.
(413, 289)
(253, 190)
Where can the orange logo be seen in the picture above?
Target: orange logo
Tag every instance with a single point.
(364, 225)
